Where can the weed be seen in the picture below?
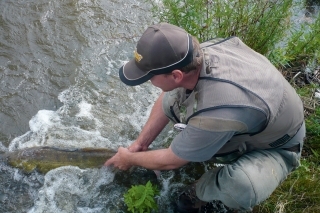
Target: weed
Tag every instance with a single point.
(140, 198)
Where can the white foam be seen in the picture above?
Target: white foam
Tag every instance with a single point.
(142, 112)
(85, 110)
(42, 120)
(65, 187)
(47, 129)
(89, 210)
(166, 184)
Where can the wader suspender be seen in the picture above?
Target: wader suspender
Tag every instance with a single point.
(218, 107)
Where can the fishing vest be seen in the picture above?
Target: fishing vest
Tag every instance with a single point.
(234, 75)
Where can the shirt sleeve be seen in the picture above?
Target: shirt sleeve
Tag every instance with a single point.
(197, 145)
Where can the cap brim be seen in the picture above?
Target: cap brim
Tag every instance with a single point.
(131, 75)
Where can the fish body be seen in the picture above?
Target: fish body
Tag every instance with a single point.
(44, 159)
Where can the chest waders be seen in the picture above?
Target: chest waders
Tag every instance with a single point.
(235, 76)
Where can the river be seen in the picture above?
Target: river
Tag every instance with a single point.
(59, 64)
(59, 86)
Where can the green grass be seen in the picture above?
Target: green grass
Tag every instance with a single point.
(300, 192)
(262, 25)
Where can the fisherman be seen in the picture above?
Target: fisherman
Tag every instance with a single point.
(234, 108)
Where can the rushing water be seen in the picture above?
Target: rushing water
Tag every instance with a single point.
(59, 86)
(59, 65)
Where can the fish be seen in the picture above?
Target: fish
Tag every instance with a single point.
(45, 158)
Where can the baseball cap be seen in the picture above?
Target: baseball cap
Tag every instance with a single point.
(161, 49)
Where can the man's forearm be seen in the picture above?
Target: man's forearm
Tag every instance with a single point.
(162, 159)
(155, 124)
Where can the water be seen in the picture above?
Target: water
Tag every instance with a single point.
(50, 47)
(59, 64)
(59, 86)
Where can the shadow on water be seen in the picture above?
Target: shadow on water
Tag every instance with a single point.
(18, 190)
(312, 7)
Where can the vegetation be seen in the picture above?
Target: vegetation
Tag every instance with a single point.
(140, 198)
(262, 25)
(269, 27)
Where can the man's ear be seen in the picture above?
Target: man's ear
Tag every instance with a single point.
(177, 75)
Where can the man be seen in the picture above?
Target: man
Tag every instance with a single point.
(234, 107)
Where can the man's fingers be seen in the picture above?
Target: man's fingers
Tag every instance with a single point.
(109, 162)
(118, 160)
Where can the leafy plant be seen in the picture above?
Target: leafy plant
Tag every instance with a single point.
(140, 198)
(260, 24)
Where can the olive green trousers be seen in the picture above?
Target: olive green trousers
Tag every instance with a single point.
(252, 178)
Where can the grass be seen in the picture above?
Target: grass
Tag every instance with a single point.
(268, 27)
(262, 25)
(299, 193)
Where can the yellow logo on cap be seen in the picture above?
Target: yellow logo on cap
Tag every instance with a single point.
(137, 56)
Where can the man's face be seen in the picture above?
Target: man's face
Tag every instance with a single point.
(164, 82)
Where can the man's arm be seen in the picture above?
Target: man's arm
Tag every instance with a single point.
(155, 124)
(161, 159)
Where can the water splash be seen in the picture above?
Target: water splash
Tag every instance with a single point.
(70, 189)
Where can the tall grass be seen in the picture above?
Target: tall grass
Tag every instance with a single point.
(262, 25)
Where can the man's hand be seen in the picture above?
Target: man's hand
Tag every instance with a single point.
(119, 160)
(160, 159)
(137, 147)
